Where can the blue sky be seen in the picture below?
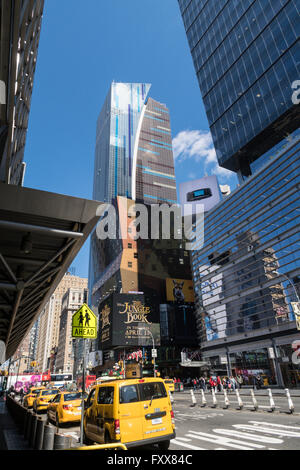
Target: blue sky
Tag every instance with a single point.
(83, 47)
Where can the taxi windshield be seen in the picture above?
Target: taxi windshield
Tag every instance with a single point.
(72, 396)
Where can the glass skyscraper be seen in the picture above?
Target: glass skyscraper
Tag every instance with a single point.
(134, 156)
(247, 274)
(134, 163)
(246, 55)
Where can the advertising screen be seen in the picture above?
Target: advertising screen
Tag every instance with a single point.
(180, 290)
(127, 320)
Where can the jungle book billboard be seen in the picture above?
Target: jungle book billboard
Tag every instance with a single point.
(126, 319)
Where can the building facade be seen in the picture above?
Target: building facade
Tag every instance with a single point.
(247, 272)
(134, 163)
(49, 322)
(20, 34)
(71, 302)
(246, 58)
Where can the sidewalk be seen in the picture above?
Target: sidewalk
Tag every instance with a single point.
(10, 437)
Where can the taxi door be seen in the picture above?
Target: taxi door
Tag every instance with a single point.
(103, 412)
(89, 414)
(130, 414)
(52, 407)
(157, 420)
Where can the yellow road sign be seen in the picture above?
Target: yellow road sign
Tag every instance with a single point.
(84, 323)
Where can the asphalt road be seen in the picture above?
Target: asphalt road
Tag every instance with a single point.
(217, 429)
(210, 428)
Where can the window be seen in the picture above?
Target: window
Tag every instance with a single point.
(129, 264)
(72, 396)
(105, 396)
(152, 391)
(135, 255)
(129, 394)
(91, 398)
(129, 245)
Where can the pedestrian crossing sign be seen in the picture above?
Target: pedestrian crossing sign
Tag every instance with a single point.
(84, 323)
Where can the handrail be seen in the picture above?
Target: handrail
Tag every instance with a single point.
(101, 447)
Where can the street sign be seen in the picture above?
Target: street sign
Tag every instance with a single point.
(154, 352)
(296, 310)
(84, 323)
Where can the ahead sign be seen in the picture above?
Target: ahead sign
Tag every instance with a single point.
(84, 323)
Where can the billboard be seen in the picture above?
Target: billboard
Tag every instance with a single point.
(180, 290)
(127, 320)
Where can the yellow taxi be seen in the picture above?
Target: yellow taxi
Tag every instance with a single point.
(42, 399)
(31, 396)
(133, 412)
(169, 383)
(65, 407)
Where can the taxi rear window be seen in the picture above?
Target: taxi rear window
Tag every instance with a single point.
(129, 394)
(49, 392)
(152, 390)
(72, 396)
(142, 392)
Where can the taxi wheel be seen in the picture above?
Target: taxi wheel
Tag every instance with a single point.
(164, 445)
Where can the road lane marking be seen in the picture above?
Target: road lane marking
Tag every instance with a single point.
(277, 432)
(188, 446)
(273, 424)
(236, 444)
(251, 437)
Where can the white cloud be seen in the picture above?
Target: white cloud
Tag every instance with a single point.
(198, 145)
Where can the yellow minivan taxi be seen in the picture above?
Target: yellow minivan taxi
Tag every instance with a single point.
(134, 412)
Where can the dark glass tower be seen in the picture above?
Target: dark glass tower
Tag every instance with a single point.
(246, 55)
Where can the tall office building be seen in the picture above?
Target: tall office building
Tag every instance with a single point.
(71, 302)
(133, 156)
(247, 273)
(133, 160)
(134, 163)
(246, 57)
(49, 322)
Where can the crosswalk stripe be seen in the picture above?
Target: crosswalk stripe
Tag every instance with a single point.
(277, 432)
(216, 440)
(188, 446)
(251, 437)
(275, 425)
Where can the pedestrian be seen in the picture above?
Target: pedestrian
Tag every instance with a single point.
(259, 382)
(234, 383)
(21, 395)
(212, 384)
(202, 383)
(239, 380)
(194, 384)
(219, 384)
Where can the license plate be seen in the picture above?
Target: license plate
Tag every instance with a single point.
(157, 421)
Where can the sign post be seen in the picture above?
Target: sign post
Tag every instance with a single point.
(84, 326)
